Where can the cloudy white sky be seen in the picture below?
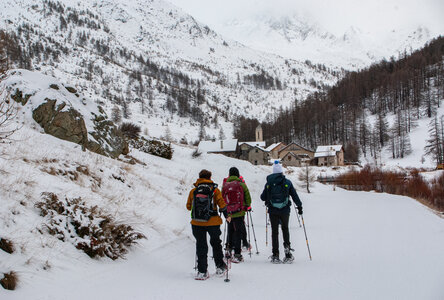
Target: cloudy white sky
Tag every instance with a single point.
(336, 16)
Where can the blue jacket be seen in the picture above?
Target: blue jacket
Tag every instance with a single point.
(277, 178)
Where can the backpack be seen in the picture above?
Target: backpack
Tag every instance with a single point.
(278, 193)
(203, 207)
(233, 194)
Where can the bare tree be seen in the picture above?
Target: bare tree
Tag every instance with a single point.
(8, 114)
(221, 134)
(434, 143)
(168, 136)
(116, 115)
(307, 177)
(8, 108)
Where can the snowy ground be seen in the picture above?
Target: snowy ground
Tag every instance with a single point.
(364, 245)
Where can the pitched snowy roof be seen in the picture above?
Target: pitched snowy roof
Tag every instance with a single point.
(253, 144)
(325, 151)
(325, 154)
(218, 146)
(272, 146)
(293, 143)
(261, 148)
(335, 148)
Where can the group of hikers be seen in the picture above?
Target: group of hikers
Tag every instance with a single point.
(234, 201)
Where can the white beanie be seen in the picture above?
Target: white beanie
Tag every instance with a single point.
(277, 167)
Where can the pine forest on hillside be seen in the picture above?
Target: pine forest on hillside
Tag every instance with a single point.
(406, 89)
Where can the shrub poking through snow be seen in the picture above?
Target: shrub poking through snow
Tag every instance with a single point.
(6, 246)
(196, 153)
(410, 184)
(130, 131)
(87, 228)
(9, 281)
(152, 147)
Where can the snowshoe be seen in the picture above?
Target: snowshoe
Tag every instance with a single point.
(274, 259)
(202, 276)
(222, 270)
(237, 258)
(288, 260)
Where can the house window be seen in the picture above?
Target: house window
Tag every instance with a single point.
(289, 157)
(255, 162)
(257, 150)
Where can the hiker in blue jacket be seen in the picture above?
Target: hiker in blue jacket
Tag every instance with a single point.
(276, 196)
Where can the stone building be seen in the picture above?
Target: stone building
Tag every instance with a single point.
(274, 149)
(331, 155)
(295, 160)
(295, 149)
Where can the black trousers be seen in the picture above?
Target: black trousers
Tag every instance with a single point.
(236, 233)
(274, 220)
(200, 233)
(243, 233)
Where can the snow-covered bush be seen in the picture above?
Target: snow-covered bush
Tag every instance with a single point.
(87, 228)
(9, 280)
(6, 245)
(130, 130)
(152, 147)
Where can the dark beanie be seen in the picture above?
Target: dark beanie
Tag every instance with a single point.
(233, 172)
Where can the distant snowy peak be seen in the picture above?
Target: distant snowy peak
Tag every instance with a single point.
(300, 38)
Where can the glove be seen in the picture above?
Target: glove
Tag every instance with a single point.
(248, 208)
(300, 210)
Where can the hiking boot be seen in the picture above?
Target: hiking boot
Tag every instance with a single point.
(246, 247)
(237, 258)
(202, 276)
(274, 259)
(221, 270)
(288, 256)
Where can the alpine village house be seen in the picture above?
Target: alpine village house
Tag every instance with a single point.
(290, 155)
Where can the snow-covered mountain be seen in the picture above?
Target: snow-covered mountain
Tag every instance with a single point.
(152, 59)
(299, 37)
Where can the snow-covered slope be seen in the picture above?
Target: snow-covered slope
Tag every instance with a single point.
(155, 60)
(364, 245)
(295, 36)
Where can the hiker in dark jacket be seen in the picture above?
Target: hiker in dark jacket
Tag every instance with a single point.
(204, 222)
(276, 196)
(237, 190)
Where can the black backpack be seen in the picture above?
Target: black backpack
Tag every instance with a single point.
(203, 208)
(278, 193)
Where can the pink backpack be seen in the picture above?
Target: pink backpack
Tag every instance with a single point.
(233, 194)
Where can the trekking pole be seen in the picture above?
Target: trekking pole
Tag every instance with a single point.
(305, 232)
(225, 230)
(299, 220)
(254, 234)
(228, 268)
(226, 256)
(195, 261)
(266, 227)
(306, 239)
(249, 235)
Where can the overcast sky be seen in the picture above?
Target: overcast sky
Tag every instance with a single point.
(335, 15)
